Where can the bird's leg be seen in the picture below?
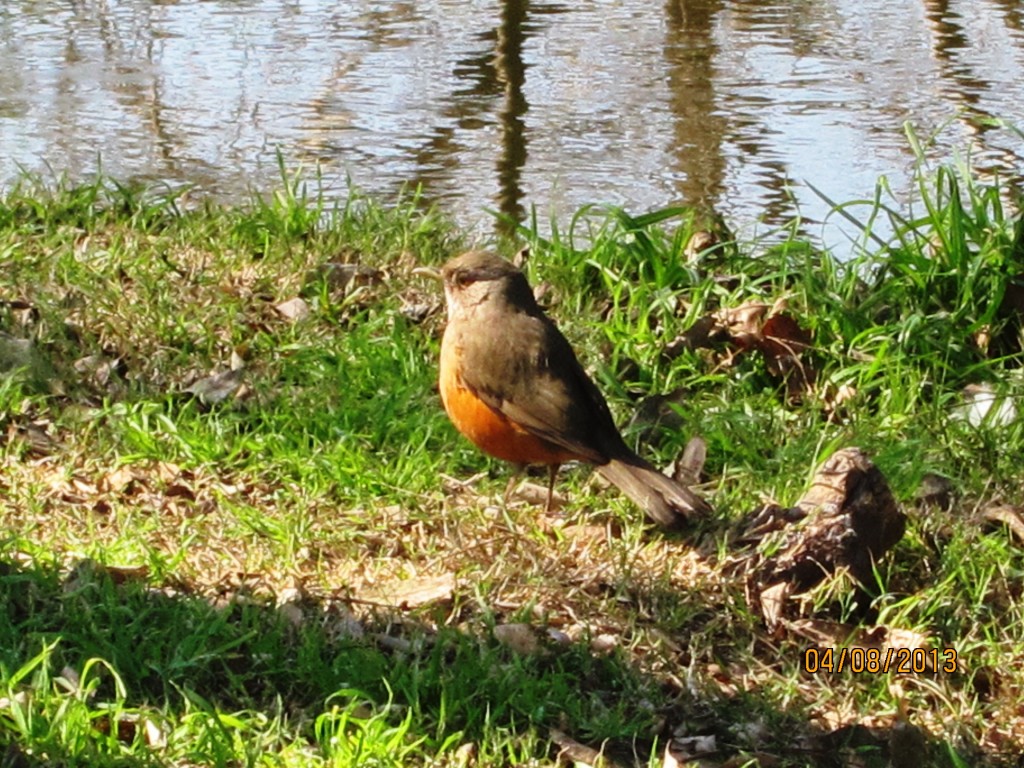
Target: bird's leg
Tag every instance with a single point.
(552, 474)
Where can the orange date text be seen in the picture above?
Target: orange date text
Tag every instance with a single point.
(875, 661)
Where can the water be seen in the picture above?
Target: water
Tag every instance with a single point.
(730, 105)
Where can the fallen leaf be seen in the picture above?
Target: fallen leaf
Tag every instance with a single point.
(691, 748)
(699, 335)
(935, 491)
(217, 388)
(604, 643)
(700, 241)
(689, 464)
(519, 638)
(535, 494)
(118, 480)
(850, 520)
(97, 369)
(579, 754)
(743, 323)
(1006, 515)
(293, 309)
(773, 600)
(783, 341)
(416, 592)
(344, 277)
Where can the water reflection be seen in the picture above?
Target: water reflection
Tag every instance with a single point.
(511, 72)
(728, 105)
(698, 125)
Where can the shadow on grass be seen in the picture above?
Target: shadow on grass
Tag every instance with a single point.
(104, 673)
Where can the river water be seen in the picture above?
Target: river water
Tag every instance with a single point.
(519, 105)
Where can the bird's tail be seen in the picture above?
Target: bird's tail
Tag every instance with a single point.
(665, 501)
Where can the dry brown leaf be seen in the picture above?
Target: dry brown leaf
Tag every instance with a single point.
(689, 464)
(1009, 516)
(783, 337)
(216, 388)
(700, 241)
(179, 491)
(744, 322)
(773, 601)
(416, 592)
(535, 494)
(97, 369)
(850, 520)
(34, 435)
(342, 277)
(295, 309)
(577, 753)
(118, 480)
(519, 638)
(167, 471)
(604, 643)
(699, 335)
(691, 748)
(820, 631)
(465, 755)
(156, 737)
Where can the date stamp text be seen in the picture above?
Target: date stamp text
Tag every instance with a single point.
(873, 661)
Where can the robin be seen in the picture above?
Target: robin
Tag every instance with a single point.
(511, 383)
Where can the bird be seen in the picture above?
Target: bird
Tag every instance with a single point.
(511, 383)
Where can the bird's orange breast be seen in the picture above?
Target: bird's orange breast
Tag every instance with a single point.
(487, 428)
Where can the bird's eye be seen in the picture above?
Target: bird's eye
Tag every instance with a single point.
(462, 279)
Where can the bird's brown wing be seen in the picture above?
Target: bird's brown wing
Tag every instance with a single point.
(530, 374)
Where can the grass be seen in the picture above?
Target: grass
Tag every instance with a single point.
(314, 569)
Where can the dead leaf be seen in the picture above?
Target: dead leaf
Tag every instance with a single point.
(834, 398)
(691, 748)
(295, 309)
(579, 754)
(689, 464)
(783, 341)
(35, 436)
(1006, 515)
(535, 494)
(217, 388)
(521, 257)
(699, 335)
(850, 520)
(179, 491)
(700, 241)
(604, 643)
(519, 638)
(167, 471)
(935, 491)
(118, 480)
(97, 369)
(416, 592)
(773, 600)
(743, 323)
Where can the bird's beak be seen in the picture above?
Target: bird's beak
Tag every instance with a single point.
(431, 272)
